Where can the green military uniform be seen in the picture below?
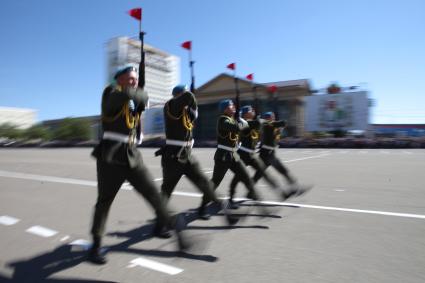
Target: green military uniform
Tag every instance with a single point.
(270, 138)
(249, 139)
(176, 161)
(118, 158)
(226, 156)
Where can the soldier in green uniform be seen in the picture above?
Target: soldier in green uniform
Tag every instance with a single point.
(118, 158)
(249, 139)
(270, 137)
(226, 156)
(180, 113)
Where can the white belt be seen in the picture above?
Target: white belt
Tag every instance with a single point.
(268, 147)
(246, 149)
(228, 148)
(115, 137)
(180, 143)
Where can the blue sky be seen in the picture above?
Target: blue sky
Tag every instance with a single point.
(53, 59)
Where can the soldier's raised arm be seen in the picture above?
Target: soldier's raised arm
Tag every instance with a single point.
(182, 98)
(279, 124)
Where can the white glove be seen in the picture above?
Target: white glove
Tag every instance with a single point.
(242, 123)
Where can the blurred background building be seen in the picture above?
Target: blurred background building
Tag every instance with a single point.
(399, 130)
(21, 118)
(287, 101)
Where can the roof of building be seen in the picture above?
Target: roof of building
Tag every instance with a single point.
(302, 83)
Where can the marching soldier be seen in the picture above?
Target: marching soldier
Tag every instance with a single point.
(118, 158)
(226, 156)
(180, 113)
(269, 142)
(249, 139)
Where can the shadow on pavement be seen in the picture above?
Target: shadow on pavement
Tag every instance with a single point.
(39, 268)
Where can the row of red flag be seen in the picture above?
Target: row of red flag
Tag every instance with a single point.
(137, 14)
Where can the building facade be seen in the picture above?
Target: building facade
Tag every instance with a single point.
(162, 70)
(19, 117)
(399, 130)
(287, 102)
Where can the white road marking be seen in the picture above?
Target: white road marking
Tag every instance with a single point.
(387, 213)
(304, 158)
(143, 262)
(81, 243)
(91, 183)
(339, 190)
(65, 238)
(384, 152)
(8, 220)
(187, 194)
(363, 151)
(126, 186)
(44, 178)
(41, 231)
(407, 152)
(17, 175)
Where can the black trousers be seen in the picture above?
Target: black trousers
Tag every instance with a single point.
(238, 168)
(173, 170)
(253, 160)
(110, 178)
(269, 159)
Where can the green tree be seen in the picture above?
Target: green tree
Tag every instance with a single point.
(73, 129)
(37, 132)
(10, 131)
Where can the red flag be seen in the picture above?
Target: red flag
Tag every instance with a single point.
(272, 88)
(231, 66)
(250, 77)
(187, 45)
(136, 13)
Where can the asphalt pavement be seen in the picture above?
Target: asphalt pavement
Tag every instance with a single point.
(363, 221)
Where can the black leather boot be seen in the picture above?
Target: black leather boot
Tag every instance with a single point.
(95, 254)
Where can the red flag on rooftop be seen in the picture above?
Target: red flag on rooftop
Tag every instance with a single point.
(187, 45)
(136, 13)
(231, 66)
(250, 77)
(272, 88)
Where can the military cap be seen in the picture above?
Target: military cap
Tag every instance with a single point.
(245, 109)
(124, 70)
(267, 115)
(179, 89)
(224, 104)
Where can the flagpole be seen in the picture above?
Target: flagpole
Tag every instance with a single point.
(142, 57)
(192, 72)
(237, 102)
(256, 102)
(273, 90)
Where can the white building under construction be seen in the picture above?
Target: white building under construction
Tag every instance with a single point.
(162, 70)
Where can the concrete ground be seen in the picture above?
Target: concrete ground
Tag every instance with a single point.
(364, 221)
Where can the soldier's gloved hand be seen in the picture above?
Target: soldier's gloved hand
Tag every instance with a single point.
(242, 123)
(193, 113)
(131, 106)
